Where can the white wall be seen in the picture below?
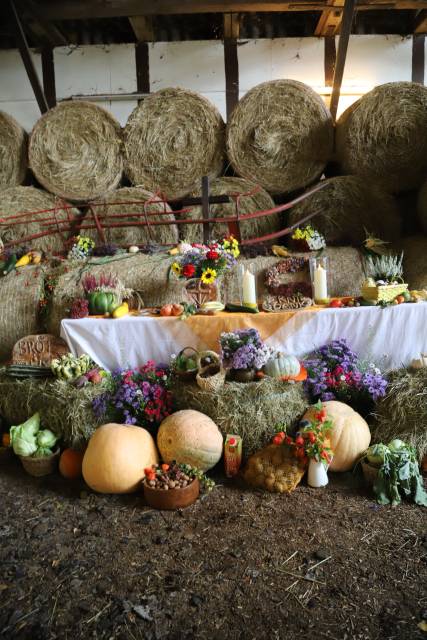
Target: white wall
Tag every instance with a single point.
(96, 69)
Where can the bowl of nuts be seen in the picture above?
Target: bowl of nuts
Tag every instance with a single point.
(170, 486)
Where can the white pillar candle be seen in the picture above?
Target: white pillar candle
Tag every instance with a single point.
(320, 283)
(249, 289)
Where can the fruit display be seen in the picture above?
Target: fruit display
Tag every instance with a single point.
(169, 477)
(275, 469)
(68, 367)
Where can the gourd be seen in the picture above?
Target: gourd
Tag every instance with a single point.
(282, 365)
(121, 311)
(102, 302)
(350, 435)
(116, 457)
(190, 437)
(70, 464)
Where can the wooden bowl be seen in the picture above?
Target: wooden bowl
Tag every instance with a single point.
(39, 467)
(370, 473)
(170, 499)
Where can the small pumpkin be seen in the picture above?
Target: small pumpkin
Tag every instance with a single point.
(5, 440)
(282, 366)
(350, 435)
(70, 464)
(190, 437)
(116, 457)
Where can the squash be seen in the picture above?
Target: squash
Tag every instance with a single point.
(116, 457)
(350, 435)
(190, 437)
(281, 365)
(70, 464)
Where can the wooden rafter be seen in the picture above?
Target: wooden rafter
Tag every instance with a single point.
(143, 28)
(347, 21)
(231, 62)
(330, 21)
(421, 22)
(43, 31)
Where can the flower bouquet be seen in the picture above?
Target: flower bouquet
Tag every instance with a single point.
(81, 249)
(103, 293)
(136, 396)
(243, 353)
(307, 239)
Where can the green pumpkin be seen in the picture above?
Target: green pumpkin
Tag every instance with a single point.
(282, 365)
(112, 302)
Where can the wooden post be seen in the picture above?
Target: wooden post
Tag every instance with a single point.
(231, 62)
(205, 210)
(347, 21)
(27, 60)
(48, 70)
(418, 58)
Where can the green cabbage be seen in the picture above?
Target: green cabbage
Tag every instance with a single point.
(396, 445)
(42, 452)
(46, 439)
(23, 436)
(376, 453)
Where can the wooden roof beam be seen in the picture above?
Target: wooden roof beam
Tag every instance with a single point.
(347, 22)
(421, 22)
(330, 21)
(143, 28)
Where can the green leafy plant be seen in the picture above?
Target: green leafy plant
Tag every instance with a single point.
(388, 268)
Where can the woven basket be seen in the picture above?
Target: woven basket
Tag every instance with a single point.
(383, 293)
(212, 376)
(275, 469)
(39, 467)
(370, 473)
(191, 374)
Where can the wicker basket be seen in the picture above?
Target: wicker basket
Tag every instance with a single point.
(383, 293)
(39, 467)
(370, 473)
(212, 376)
(288, 470)
(191, 374)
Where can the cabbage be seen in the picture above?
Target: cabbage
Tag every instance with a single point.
(375, 454)
(22, 446)
(396, 445)
(46, 439)
(42, 452)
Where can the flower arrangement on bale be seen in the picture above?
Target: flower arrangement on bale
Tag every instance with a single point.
(81, 249)
(136, 396)
(104, 293)
(243, 350)
(308, 239)
(336, 373)
(206, 262)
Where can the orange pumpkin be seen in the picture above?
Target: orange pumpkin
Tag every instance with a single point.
(5, 440)
(70, 464)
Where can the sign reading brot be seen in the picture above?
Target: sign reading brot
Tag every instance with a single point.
(38, 350)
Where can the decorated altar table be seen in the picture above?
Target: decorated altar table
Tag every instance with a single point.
(391, 337)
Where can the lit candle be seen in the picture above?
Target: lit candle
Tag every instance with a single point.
(249, 289)
(320, 284)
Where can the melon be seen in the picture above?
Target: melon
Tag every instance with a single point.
(190, 437)
(116, 457)
(350, 435)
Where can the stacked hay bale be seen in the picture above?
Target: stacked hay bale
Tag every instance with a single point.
(13, 152)
(75, 151)
(20, 200)
(121, 205)
(172, 139)
(414, 261)
(280, 136)
(347, 207)
(245, 195)
(422, 206)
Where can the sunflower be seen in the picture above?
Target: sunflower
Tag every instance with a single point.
(176, 268)
(208, 276)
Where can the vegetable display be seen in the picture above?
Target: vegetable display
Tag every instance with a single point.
(175, 476)
(68, 367)
(281, 365)
(27, 439)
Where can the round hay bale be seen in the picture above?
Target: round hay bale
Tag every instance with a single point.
(422, 206)
(16, 200)
(250, 410)
(172, 139)
(75, 151)
(13, 152)
(118, 202)
(257, 200)
(402, 413)
(280, 136)
(415, 261)
(383, 136)
(348, 206)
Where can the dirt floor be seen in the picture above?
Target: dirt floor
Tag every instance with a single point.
(321, 563)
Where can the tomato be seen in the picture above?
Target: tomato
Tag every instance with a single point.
(335, 304)
(299, 441)
(277, 440)
(311, 437)
(165, 467)
(400, 299)
(288, 440)
(300, 453)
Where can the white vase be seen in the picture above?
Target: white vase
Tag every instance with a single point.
(317, 474)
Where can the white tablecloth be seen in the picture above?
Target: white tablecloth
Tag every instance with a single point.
(390, 337)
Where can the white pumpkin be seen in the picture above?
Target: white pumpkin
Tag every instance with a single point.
(281, 365)
(350, 435)
(190, 437)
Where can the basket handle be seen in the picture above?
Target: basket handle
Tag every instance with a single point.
(188, 349)
(203, 354)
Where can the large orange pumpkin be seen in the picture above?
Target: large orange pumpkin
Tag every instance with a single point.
(116, 457)
(190, 437)
(350, 435)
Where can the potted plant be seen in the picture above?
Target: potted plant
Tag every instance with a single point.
(243, 353)
(174, 486)
(35, 447)
(384, 278)
(104, 293)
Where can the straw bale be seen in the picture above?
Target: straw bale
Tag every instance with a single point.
(172, 139)
(348, 206)
(414, 261)
(118, 201)
(19, 296)
(259, 200)
(251, 410)
(383, 136)
(75, 151)
(16, 200)
(422, 206)
(280, 136)
(403, 412)
(13, 152)
(65, 410)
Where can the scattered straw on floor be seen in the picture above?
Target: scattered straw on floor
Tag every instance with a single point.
(403, 412)
(251, 410)
(13, 152)
(383, 136)
(172, 139)
(280, 136)
(75, 151)
(348, 206)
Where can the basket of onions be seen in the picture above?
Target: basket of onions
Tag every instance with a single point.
(173, 486)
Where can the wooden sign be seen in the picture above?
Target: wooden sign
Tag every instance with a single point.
(38, 350)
